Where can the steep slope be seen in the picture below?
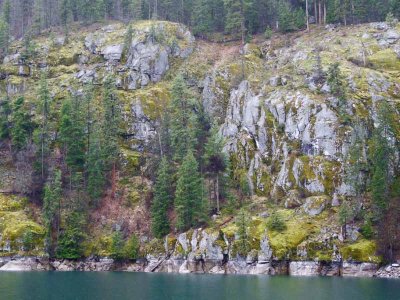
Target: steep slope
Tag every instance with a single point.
(287, 134)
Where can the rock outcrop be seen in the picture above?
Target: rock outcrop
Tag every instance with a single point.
(287, 136)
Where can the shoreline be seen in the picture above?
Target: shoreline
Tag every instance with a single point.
(184, 266)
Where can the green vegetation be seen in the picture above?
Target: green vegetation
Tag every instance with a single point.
(243, 242)
(162, 200)
(190, 205)
(99, 159)
(276, 222)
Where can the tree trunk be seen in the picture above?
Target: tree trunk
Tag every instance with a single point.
(308, 19)
(344, 231)
(324, 12)
(113, 181)
(217, 194)
(319, 13)
(315, 11)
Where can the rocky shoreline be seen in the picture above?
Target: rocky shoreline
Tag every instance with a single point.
(166, 265)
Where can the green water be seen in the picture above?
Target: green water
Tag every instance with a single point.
(98, 286)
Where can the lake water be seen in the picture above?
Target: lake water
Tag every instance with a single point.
(137, 286)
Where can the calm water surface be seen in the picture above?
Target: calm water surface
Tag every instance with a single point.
(98, 286)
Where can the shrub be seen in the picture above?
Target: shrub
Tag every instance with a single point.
(132, 247)
(268, 33)
(391, 20)
(117, 246)
(276, 223)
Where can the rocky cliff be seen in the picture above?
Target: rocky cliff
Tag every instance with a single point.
(283, 127)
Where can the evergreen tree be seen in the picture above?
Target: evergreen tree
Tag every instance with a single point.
(4, 37)
(190, 206)
(243, 242)
(215, 161)
(346, 214)
(127, 42)
(111, 131)
(290, 19)
(162, 200)
(182, 119)
(381, 155)
(72, 134)
(202, 17)
(44, 104)
(38, 17)
(337, 85)
(137, 9)
(69, 244)
(7, 11)
(235, 16)
(5, 23)
(51, 207)
(356, 161)
(132, 247)
(95, 169)
(5, 113)
(22, 126)
(65, 15)
(117, 246)
(276, 223)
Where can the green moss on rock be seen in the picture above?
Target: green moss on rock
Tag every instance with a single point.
(361, 251)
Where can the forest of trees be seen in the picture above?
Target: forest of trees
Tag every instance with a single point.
(75, 149)
(203, 16)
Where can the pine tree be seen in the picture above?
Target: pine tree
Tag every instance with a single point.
(111, 131)
(182, 119)
(22, 126)
(69, 244)
(65, 15)
(381, 155)
(5, 23)
(132, 247)
(117, 246)
(162, 200)
(38, 17)
(276, 223)
(44, 138)
(72, 134)
(137, 9)
(356, 161)
(4, 37)
(190, 206)
(7, 11)
(235, 17)
(346, 214)
(5, 113)
(51, 207)
(336, 83)
(127, 42)
(285, 18)
(202, 17)
(215, 161)
(242, 243)
(95, 168)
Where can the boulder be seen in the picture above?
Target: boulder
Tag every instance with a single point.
(351, 269)
(293, 199)
(392, 36)
(113, 52)
(24, 70)
(315, 205)
(304, 268)
(265, 252)
(147, 62)
(59, 41)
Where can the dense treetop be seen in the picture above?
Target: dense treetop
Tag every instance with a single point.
(203, 16)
